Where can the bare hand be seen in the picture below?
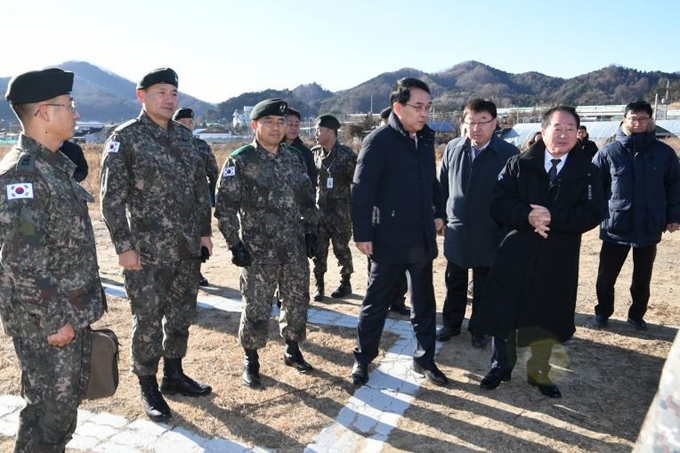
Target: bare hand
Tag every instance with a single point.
(207, 243)
(439, 226)
(673, 227)
(365, 247)
(130, 260)
(539, 216)
(63, 337)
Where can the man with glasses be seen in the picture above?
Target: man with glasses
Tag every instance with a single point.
(397, 211)
(50, 290)
(265, 210)
(154, 200)
(641, 179)
(469, 170)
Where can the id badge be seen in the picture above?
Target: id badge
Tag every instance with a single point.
(329, 183)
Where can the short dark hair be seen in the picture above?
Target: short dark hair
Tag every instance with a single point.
(639, 106)
(583, 128)
(547, 116)
(293, 112)
(385, 113)
(401, 91)
(479, 106)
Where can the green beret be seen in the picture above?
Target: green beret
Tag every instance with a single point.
(184, 112)
(328, 121)
(273, 107)
(160, 75)
(36, 86)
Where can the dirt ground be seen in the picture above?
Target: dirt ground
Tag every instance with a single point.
(608, 377)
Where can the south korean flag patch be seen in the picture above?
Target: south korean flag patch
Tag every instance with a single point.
(229, 171)
(18, 191)
(112, 147)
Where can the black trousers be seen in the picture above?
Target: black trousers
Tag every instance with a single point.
(383, 286)
(504, 355)
(403, 286)
(612, 257)
(455, 304)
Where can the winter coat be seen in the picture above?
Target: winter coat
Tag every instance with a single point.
(532, 284)
(472, 236)
(396, 195)
(641, 180)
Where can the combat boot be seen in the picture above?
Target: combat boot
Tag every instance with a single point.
(292, 356)
(153, 403)
(251, 368)
(345, 288)
(175, 381)
(319, 294)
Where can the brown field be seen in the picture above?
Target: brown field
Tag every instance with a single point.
(608, 378)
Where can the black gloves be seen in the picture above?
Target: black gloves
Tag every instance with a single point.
(205, 254)
(240, 257)
(312, 243)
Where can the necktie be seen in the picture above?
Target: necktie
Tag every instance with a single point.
(475, 152)
(552, 173)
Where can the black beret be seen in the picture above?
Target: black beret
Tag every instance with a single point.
(292, 111)
(328, 121)
(36, 86)
(184, 112)
(273, 107)
(160, 75)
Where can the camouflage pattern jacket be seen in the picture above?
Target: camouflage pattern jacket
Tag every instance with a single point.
(212, 171)
(333, 193)
(49, 273)
(154, 192)
(272, 196)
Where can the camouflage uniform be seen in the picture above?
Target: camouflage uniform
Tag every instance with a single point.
(210, 166)
(49, 278)
(334, 203)
(273, 198)
(157, 177)
(661, 429)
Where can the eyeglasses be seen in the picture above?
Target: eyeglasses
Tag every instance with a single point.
(477, 123)
(71, 105)
(638, 119)
(270, 123)
(421, 108)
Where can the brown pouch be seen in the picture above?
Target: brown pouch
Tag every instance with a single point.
(103, 365)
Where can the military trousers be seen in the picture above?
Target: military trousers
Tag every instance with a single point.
(340, 241)
(53, 384)
(163, 303)
(258, 283)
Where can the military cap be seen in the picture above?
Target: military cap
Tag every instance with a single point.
(184, 112)
(36, 86)
(328, 121)
(273, 107)
(292, 111)
(160, 75)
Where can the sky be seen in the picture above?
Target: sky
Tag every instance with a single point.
(222, 48)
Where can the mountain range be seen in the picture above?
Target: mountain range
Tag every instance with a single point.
(107, 97)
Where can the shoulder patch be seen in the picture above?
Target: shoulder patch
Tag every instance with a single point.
(112, 146)
(26, 163)
(229, 171)
(19, 190)
(240, 150)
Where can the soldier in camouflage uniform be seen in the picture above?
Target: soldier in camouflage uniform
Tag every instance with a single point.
(661, 429)
(50, 290)
(264, 192)
(185, 116)
(335, 165)
(151, 170)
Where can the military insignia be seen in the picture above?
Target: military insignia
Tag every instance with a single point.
(229, 171)
(19, 191)
(112, 147)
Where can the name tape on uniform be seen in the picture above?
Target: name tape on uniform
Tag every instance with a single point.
(19, 191)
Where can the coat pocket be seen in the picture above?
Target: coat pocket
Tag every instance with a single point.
(620, 216)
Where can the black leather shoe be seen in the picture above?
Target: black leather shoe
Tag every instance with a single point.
(153, 403)
(202, 281)
(175, 381)
(494, 378)
(400, 308)
(431, 372)
(479, 341)
(639, 324)
(293, 357)
(545, 385)
(345, 289)
(251, 368)
(600, 322)
(445, 333)
(359, 374)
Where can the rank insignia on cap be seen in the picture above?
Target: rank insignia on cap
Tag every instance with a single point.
(229, 171)
(112, 147)
(18, 191)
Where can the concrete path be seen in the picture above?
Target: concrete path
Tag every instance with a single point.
(364, 424)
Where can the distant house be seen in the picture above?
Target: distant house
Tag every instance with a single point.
(242, 118)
